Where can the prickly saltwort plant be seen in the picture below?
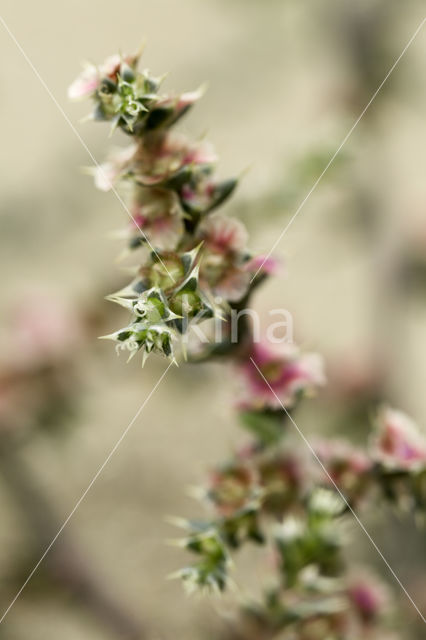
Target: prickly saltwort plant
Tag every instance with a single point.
(194, 266)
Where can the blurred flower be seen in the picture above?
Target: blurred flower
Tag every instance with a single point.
(347, 466)
(154, 161)
(223, 235)
(232, 487)
(399, 442)
(162, 156)
(44, 329)
(282, 481)
(38, 357)
(368, 596)
(107, 174)
(159, 217)
(284, 373)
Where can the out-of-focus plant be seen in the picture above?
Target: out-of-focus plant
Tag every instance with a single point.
(38, 379)
(194, 266)
(40, 383)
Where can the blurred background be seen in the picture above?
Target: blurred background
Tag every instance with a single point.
(287, 79)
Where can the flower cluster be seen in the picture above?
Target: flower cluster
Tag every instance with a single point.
(269, 481)
(276, 377)
(313, 599)
(348, 467)
(194, 263)
(399, 443)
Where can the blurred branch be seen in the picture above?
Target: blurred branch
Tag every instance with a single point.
(64, 564)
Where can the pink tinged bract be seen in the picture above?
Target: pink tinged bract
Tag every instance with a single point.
(224, 235)
(85, 84)
(284, 373)
(263, 264)
(233, 285)
(108, 173)
(163, 232)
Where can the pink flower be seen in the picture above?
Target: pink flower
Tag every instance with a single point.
(223, 235)
(232, 488)
(159, 217)
(368, 596)
(399, 442)
(232, 283)
(284, 373)
(168, 154)
(222, 267)
(200, 194)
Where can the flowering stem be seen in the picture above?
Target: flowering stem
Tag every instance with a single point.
(198, 268)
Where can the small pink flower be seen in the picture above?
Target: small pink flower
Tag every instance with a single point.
(368, 596)
(232, 283)
(222, 264)
(201, 193)
(169, 154)
(232, 487)
(159, 218)
(284, 373)
(222, 234)
(399, 442)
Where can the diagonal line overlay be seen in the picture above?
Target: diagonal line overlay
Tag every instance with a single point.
(86, 491)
